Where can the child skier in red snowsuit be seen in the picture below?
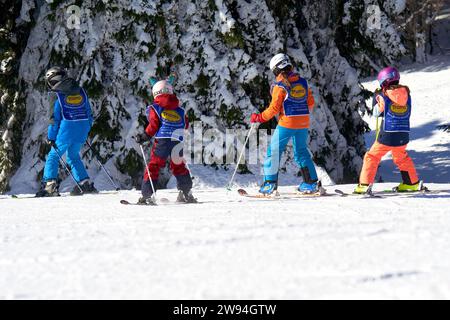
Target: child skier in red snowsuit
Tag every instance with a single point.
(167, 122)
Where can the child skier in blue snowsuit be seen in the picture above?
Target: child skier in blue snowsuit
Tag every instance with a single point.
(70, 123)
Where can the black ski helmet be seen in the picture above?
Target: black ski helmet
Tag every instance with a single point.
(54, 76)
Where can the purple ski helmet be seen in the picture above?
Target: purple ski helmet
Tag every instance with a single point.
(387, 76)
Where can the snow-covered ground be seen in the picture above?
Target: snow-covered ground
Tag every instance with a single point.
(229, 247)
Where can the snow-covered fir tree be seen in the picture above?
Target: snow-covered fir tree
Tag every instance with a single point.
(219, 49)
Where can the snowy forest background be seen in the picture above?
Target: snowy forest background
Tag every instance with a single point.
(220, 50)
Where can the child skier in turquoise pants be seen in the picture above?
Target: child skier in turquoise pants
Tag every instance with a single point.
(293, 101)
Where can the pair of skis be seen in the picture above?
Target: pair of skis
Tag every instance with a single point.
(387, 193)
(322, 192)
(61, 195)
(160, 200)
(180, 200)
(394, 191)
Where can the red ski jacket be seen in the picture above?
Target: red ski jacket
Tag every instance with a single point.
(166, 101)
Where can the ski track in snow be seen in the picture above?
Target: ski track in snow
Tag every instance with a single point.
(228, 247)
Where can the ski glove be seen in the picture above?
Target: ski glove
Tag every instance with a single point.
(51, 143)
(141, 138)
(257, 117)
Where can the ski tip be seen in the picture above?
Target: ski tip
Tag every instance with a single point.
(242, 192)
(124, 202)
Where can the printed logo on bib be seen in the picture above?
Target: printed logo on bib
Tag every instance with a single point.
(298, 92)
(171, 116)
(74, 100)
(399, 110)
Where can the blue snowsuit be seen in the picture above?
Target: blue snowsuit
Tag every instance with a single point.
(70, 123)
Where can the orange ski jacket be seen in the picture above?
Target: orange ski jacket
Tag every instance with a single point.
(275, 108)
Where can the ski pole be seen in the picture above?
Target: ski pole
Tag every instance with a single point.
(189, 169)
(148, 173)
(67, 168)
(240, 156)
(186, 164)
(102, 166)
(377, 131)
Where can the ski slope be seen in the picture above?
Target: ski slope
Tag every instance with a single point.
(230, 247)
(227, 247)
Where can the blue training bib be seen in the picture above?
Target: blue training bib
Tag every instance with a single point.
(396, 117)
(74, 107)
(172, 123)
(296, 102)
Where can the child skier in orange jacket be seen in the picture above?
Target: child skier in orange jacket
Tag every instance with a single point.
(392, 102)
(292, 101)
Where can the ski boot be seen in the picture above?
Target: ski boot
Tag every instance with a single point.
(48, 189)
(186, 197)
(363, 189)
(308, 188)
(86, 187)
(404, 187)
(146, 201)
(268, 187)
